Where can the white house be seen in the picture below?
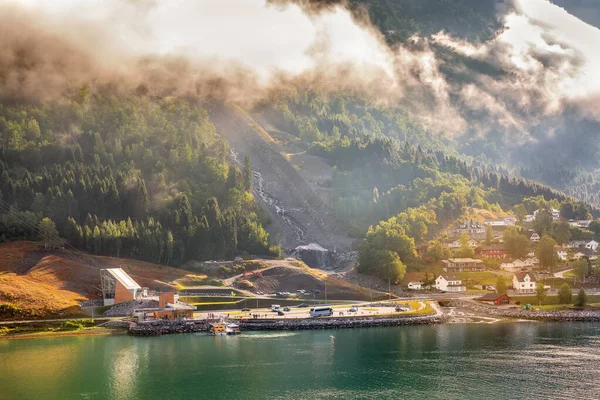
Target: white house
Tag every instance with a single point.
(415, 285)
(449, 283)
(592, 245)
(555, 213)
(500, 222)
(456, 244)
(562, 254)
(535, 238)
(575, 244)
(580, 223)
(519, 265)
(471, 227)
(511, 266)
(524, 282)
(529, 218)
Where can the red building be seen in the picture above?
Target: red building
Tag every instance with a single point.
(495, 298)
(493, 251)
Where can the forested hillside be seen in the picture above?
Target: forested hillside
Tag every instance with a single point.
(126, 176)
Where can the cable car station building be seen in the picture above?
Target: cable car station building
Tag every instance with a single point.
(117, 286)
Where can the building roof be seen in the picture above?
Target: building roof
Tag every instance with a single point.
(470, 224)
(464, 260)
(450, 277)
(123, 278)
(414, 283)
(491, 247)
(491, 296)
(521, 276)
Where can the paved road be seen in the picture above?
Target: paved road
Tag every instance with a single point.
(363, 310)
(561, 273)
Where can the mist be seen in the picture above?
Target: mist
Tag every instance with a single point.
(242, 50)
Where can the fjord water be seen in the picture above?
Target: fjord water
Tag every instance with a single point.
(513, 360)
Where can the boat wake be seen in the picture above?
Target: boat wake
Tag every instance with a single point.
(248, 335)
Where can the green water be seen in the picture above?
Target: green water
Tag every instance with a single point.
(504, 361)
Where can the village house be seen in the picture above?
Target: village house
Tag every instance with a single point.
(555, 213)
(415, 285)
(529, 218)
(592, 245)
(520, 265)
(580, 223)
(575, 244)
(501, 222)
(492, 251)
(463, 264)
(449, 283)
(495, 298)
(535, 238)
(456, 244)
(524, 282)
(562, 254)
(586, 253)
(470, 227)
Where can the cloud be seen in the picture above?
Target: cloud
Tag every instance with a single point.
(241, 50)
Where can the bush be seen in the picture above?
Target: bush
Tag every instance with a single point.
(8, 310)
(72, 326)
(565, 294)
(581, 298)
(245, 284)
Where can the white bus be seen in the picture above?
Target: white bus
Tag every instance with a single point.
(275, 307)
(321, 311)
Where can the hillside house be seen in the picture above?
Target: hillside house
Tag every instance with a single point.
(500, 222)
(471, 228)
(456, 244)
(586, 253)
(492, 251)
(562, 254)
(580, 223)
(575, 244)
(524, 282)
(535, 238)
(449, 283)
(415, 285)
(520, 265)
(592, 245)
(495, 298)
(529, 218)
(463, 264)
(555, 213)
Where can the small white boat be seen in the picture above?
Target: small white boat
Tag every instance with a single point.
(232, 329)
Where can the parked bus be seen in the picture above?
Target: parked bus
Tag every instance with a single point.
(275, 307)
(321, 311)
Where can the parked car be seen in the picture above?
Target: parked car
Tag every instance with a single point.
(286, 309)
(238, 259)
(245, 309)
(303, 305)
(317, 291)
(280, 312)
(353, 309)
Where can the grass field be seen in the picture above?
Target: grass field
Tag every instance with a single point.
(477, 278)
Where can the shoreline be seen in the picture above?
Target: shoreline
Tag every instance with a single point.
(85, 332)
(516, 314)
(477, 314)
